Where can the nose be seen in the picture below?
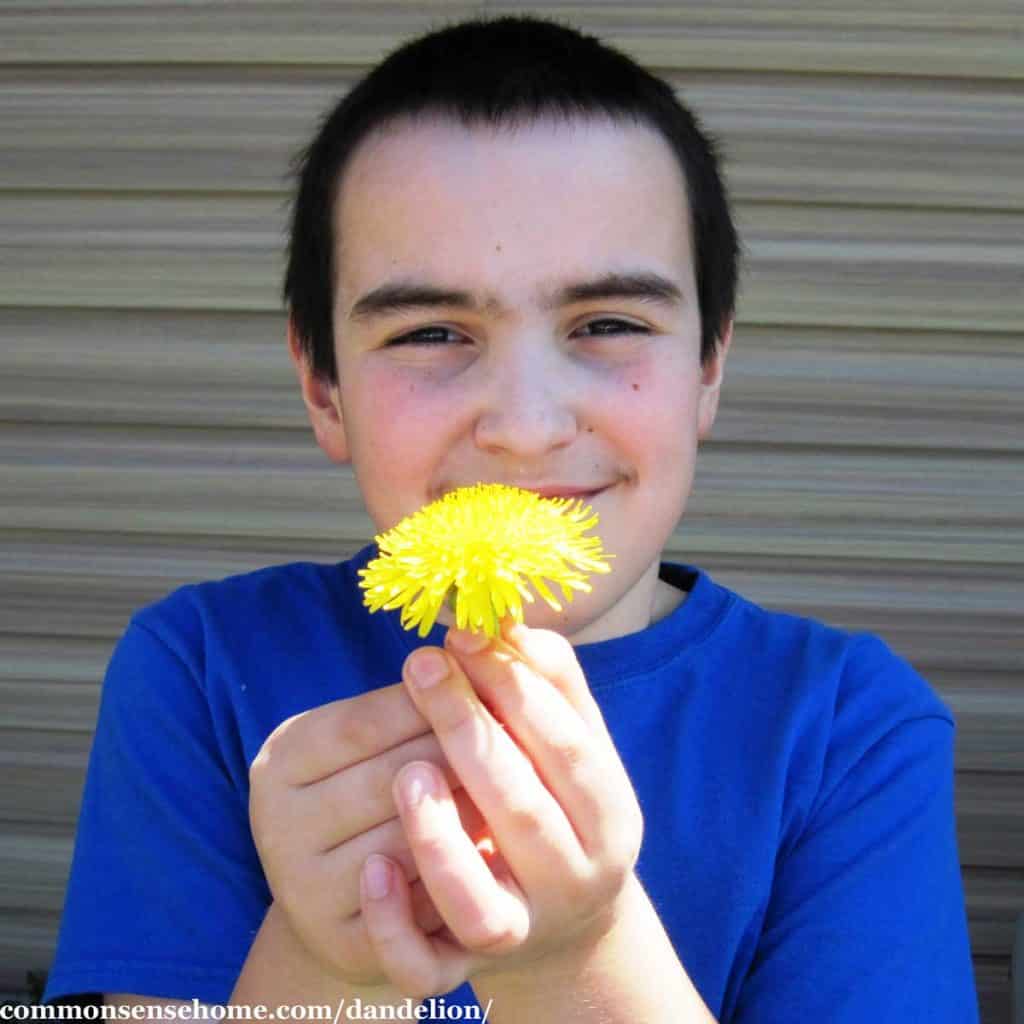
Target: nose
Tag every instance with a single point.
(529, 405)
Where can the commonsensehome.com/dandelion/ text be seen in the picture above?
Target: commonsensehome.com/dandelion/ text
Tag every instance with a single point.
(434, 1008)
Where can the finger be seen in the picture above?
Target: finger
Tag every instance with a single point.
(352, 944)
(338, 871)
(339, 868)
(419, 965)
(486, 913)
(577, 763)
(316, 743)
(529, 827)
(553, 658)
(358, 798)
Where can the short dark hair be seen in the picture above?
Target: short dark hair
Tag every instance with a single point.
(502, 71)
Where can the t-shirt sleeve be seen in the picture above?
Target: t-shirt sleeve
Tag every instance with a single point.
(866, 920)
(166, 892)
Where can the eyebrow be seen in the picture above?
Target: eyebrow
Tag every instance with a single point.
(406, 296)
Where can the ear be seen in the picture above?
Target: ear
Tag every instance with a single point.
(711, 382)
(323, 402)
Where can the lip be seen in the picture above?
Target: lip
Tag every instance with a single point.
(562, 492)
(554, 490)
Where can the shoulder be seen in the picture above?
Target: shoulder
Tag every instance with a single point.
(288, 589)
(815, 693)
(844, 674)
(257, 647)
(851, 751)
(838, 702)
(273, 608)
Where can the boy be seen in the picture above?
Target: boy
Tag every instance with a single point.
(512, 261)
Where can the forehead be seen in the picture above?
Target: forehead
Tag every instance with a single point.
(498, 206)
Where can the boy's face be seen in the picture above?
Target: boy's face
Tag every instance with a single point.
(511, 380)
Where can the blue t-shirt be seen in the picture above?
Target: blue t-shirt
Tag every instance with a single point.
(796, 783)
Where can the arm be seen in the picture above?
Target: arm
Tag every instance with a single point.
(631, 974)
(280, 971)
(167, 892)
(866, 916)
(552, 924)
(320, 804)
(866, 919)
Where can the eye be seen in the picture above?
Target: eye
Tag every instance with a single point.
(426, 336)
(607, 327)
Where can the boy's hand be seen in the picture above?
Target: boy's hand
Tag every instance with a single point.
(529, 745)
(321, 802)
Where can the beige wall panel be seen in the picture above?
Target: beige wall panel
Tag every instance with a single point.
(168, 369)
(943, 618)
(167, 560)
(27, 941)
(992, 978)
(886, 141)
(910, 389)
(144, 129)
(990, 924)
(989, 820)
(866, 267)
(160, 252)
(914, 38)
(49, 703)
(43, 772)
(992, 895)
(32, 868)
(908, 142)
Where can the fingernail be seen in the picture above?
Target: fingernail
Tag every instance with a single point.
(417, 783)
(427, 668)
(377, 876)
(466, 641)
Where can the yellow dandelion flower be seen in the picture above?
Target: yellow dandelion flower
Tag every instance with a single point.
(486, 542)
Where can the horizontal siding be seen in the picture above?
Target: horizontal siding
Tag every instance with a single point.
(915, 37)
(806, 265)
(866, 466)
(893, 142)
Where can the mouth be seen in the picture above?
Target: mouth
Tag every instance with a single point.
(564, 492)
(584, 494)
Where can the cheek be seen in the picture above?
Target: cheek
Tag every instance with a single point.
(654, 411)
(396, 418)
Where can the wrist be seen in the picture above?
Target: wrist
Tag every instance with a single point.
(627, 971)
(571, 957)
(281, 970)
